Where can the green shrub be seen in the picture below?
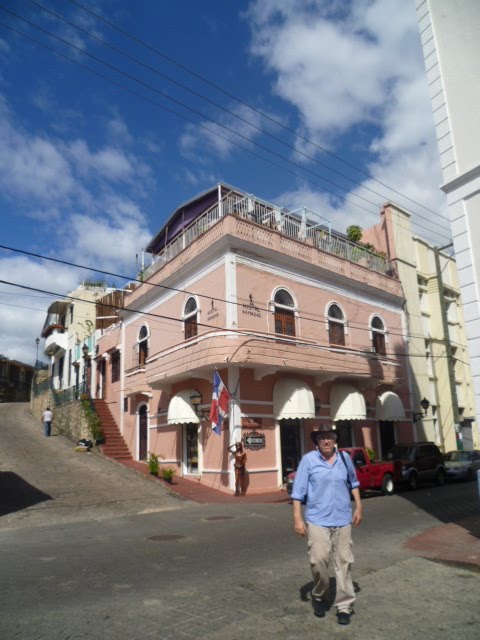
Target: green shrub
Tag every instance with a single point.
(168, 473)
(153, 464)
(93, 420)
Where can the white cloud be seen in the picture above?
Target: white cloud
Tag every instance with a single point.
(221, 139)
(346, 67)
(105, 244)
(90, 203)
(31, 166)
(23, 311)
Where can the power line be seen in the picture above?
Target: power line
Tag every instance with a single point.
(268, 338)
(210, 131)
(239, 100)
(321, 319)
(213, 103)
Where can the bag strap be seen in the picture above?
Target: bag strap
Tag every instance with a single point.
(346, 467)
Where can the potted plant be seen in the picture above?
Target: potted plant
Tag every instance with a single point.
(153, 464)
(167, 474)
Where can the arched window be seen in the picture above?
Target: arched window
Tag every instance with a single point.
(190, 318)
(336, 325)
(378, 335)
(284, 313)
(143, 345)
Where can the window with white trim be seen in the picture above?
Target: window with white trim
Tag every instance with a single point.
(284, 313)
(379, 332)
(336, 325)
(143, 345)
(190, 318)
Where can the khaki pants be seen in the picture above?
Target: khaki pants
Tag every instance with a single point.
(324, 543)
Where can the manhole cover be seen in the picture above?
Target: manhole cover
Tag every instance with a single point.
(168, 537)
(216, 518)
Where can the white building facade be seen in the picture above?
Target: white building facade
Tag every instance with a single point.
(450, 35)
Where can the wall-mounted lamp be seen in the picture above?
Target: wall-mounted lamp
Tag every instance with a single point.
(425, 404)
(318, 407)
(196, 402)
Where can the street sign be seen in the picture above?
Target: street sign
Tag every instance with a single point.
(254, 440)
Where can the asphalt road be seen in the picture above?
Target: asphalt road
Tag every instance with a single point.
(88, 549)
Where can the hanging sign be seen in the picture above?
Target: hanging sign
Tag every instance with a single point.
(254, 440)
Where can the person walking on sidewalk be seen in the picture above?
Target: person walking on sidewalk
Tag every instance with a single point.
(47, 418)
(324, 479)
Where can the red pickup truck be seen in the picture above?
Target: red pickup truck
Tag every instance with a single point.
(371, 475)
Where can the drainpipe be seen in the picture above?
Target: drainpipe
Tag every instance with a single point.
(448, 346)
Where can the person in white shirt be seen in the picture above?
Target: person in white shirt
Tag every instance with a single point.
(47, 418)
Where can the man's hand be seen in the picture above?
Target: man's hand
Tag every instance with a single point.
(300, 528)
(357, 516)
(298, 523)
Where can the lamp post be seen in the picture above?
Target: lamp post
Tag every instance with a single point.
(85, 366)
(37, 342)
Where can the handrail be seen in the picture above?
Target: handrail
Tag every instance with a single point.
(297, 225)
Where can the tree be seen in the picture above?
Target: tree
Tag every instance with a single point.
(354, 233)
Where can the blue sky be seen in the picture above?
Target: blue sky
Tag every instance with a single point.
(89, 170)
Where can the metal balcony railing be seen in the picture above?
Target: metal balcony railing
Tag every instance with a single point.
(303, 225)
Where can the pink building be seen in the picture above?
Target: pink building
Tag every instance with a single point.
(303, 327)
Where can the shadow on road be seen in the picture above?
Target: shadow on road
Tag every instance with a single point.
(457, 503)
(17, 494)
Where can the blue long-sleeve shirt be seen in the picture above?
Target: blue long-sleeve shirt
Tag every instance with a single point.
(325, 487)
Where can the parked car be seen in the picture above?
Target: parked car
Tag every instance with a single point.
(462, 464)
(418, 462)
(371, 475)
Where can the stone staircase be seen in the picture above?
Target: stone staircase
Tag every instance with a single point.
(115, 446)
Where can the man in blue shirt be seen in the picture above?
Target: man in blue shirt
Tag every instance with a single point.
(324, 480)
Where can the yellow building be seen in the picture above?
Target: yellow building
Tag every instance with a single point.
(438, 357)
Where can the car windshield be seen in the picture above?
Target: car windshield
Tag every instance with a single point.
(400, 453)
(458, 456)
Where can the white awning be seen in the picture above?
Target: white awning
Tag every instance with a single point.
(389, 407)
(292, 399)
(180, 410)
(346, 403)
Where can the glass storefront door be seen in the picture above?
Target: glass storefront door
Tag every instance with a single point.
(191, 446)
(290, 446)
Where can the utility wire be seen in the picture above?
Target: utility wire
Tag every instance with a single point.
(184, 117)
(270, 338)
(195, 111)
(321, 319)
(213, 103)
(220, 89)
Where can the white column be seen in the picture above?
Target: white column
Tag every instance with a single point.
(231, 291)
(235, 417)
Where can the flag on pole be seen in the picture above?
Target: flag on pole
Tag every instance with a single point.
(219, 406)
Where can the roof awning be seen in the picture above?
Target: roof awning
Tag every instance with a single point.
(389, 407)
(292, 399)
(346, 403)
(180, 410)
